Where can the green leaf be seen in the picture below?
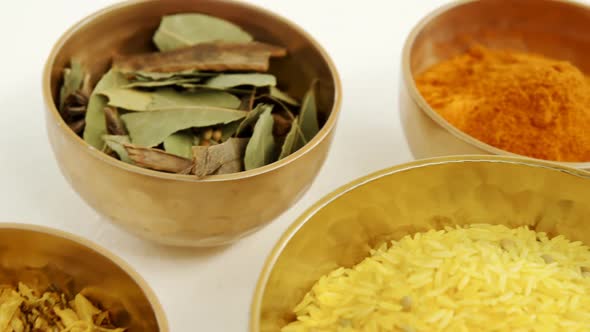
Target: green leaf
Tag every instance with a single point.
(308, 116)
(260, 149)
(73, 79)
(189, 29)
(226, 81)
(229, 130)
(292, 143)
(116, 143)
(252, 117)
(95, 119)
(282, 96)
(166, 99)
(161, 83)
(152, 128)
(180, 144)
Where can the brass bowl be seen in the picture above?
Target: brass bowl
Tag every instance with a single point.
(340, 229)
(73, 263)
(554, 28)
(180, 209)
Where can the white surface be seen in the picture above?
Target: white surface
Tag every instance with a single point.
(202, 290)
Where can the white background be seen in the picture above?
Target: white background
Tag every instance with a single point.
(202, 290)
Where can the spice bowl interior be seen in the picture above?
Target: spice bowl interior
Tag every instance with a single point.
(342, 228)
(38, 255)
(176, 209)
(551, 28)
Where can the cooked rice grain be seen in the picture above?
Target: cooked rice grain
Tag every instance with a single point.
(473, 278)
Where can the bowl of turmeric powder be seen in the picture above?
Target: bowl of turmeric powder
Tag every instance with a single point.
(499, 77)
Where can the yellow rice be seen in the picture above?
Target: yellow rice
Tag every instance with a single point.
(473, 278)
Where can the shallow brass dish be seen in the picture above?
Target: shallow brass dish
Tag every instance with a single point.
(554, 28)
(73, 263)
(180, 209)
(340, 229)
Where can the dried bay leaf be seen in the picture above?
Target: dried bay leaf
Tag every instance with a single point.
(225, 158)
(292, 143)
(253, 56)
(95, 118)
(252, 117)
(229, 130)
(152, 128)
(285, 110)
(282, 96)
(116, 143)
(158, 160)
(165, 99)
(226, 81)
(261, 147)
(182, 30)
(180, 144)
(86, 88)
(308, 116)
(72, 81)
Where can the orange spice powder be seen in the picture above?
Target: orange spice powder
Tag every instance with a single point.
(523, 103)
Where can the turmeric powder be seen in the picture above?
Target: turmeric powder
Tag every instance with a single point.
(523, 103)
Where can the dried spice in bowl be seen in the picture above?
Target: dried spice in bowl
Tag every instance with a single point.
(203, 104)
(524, 103)
(24, 308)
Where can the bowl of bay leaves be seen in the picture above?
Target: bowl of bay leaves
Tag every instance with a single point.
(190, 122)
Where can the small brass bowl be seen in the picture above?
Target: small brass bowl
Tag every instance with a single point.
(180, 209)
(69, 262)
(340, 229)
(554, 28)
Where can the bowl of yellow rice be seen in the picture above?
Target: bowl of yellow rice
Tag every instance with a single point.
(468, 243)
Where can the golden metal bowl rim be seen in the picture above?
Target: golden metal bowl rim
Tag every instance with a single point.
(155, 304)
(416, 96)
(294, 228)
(321, 136)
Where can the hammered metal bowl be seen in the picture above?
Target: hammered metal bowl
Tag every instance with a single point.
(29, 252)
(341, 228)
(180, 209)
(554, 28)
